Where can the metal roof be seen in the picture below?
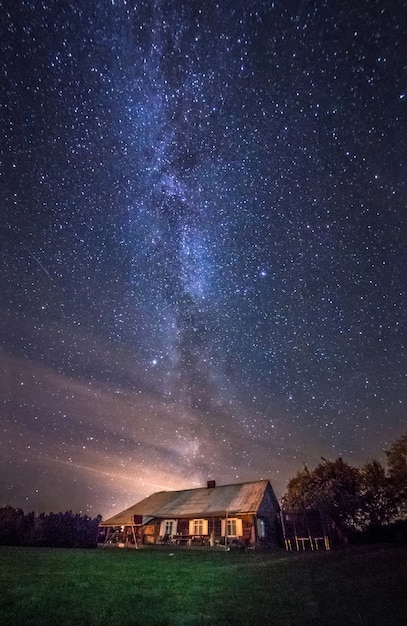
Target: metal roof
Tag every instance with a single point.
(195, 503)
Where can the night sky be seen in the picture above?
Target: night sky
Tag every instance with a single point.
(203, 224)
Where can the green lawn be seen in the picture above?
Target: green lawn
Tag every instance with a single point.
(50, 587)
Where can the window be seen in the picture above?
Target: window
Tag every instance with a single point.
(198, 527)
(168, 527)
(261, 528)
(232, 527)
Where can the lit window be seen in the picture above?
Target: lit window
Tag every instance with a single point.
(198, 527)
(168, 527)
(232, 527)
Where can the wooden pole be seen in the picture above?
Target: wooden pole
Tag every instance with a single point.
(286, 541)
(134, 537)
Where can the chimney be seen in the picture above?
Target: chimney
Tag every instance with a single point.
(211, 484)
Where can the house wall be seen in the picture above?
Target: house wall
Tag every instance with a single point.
(150, 533)
(269, 511)
(214, 536)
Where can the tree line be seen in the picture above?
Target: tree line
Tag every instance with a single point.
(367, 503)
(54, 530)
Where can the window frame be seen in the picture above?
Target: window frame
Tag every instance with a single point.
(232, 524)
(167, 525)
(261, 528)
(197, 525)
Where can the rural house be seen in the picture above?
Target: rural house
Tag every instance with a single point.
(241, 515)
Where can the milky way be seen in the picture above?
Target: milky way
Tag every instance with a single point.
(203, 258)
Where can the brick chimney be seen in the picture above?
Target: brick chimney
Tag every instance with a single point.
(211, 484)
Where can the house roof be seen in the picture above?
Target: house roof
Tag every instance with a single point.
(192, 503)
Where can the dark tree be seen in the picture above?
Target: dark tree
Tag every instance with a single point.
(366, 502)
(57, 530)
(66, 530)
(333, 488)
(14, 526)
(397, 472)
(377, 498)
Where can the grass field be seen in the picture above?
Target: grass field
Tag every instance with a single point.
(50, 587)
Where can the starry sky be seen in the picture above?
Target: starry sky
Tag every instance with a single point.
(203, 218)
